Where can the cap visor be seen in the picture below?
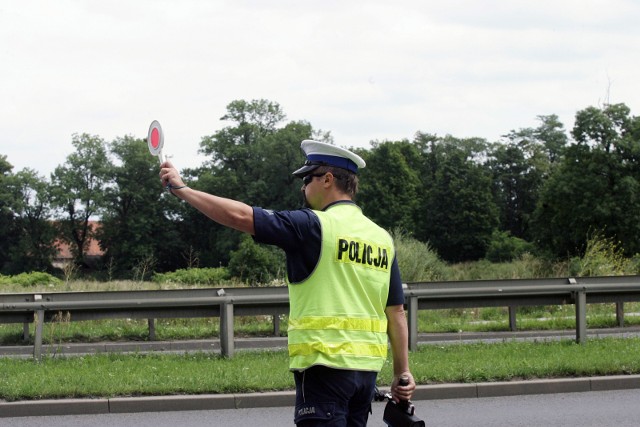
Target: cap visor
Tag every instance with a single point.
(305, 170)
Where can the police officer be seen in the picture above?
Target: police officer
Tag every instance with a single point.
(346, 298)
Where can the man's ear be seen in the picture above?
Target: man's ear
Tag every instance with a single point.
(328, 178)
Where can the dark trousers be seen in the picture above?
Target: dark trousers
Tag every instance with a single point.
(330, 397)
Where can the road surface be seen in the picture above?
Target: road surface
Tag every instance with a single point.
(619, 408)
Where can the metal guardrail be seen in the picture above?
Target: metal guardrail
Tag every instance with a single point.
(579, 291)
(226, 303)
(189, 303)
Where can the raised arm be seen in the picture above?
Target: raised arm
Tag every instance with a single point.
(228, 212)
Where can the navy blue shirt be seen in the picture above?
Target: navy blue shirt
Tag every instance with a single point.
(299, 234)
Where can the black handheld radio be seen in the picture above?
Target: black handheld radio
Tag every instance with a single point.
(401, 414)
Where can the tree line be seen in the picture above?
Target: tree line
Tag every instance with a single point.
(540, 190)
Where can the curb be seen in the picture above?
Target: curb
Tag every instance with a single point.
(287, 398)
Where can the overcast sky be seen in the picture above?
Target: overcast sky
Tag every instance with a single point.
(363, 70)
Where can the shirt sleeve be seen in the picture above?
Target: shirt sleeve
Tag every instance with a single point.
(297, 232)
(396, 292)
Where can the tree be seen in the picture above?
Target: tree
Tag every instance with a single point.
(251, 160)
(390, 184)
(512, 188)
(33, 248)
(519, 166)
(78, 189)
(596, 187)
(552, 135)
(8, 226)
(458, 212)
(138, 217)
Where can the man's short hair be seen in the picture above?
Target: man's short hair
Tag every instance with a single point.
(345, 180)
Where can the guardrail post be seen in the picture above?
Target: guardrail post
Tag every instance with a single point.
(25, 331)
(581, 315)
(226, 329)
(37, 340)
(38, 320)
(620, 314)
(412, 309)
(276, 325)
(152, 329)
(512, 318)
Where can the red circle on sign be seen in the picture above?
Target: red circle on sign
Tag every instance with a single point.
(155, 138)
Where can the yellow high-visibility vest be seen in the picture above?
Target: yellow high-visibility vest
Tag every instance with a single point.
(337, 316)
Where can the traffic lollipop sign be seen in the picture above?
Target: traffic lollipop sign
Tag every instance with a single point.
(155, 140)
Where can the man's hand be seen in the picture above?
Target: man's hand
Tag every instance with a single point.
(169, 176)
(402, 392)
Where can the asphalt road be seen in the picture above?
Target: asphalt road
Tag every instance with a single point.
(619, 408)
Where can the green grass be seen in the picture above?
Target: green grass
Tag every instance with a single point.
(137, 330)
(525, 360)
(135, 375)
(527, 318)
(204, 373)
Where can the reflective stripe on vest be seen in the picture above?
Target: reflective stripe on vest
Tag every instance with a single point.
(310, 322)
(345, 348)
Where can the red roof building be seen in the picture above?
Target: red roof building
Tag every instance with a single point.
(64, 254)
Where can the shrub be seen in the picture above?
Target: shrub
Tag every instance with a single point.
(34, 278)
(634, 264)
(256, 264)
(602, 257)
(504, 247)
(194, 276)
(418, 262)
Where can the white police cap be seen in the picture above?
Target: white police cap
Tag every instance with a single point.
(323, 154)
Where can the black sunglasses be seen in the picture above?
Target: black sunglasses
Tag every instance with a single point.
(306, 180)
